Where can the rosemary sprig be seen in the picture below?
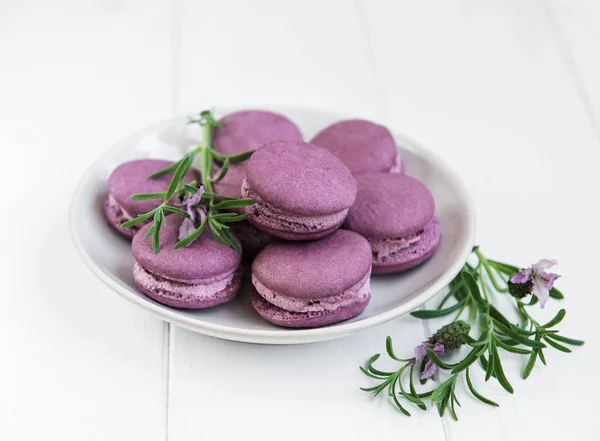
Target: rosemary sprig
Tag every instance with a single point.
(215, 219)
(394, 381)
(472, 291)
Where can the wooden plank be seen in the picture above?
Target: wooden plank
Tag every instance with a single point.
(314, 54)
(576, 29)
(309, 53)
(485, 86)
(226, 390)
(75, 360)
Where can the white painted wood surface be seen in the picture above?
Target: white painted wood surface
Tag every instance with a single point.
(76, 362)
(507, 91)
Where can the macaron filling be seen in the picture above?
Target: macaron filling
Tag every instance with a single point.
(118, 210)
(117, 215)
(355, 294)
(392, 251)
(266, 215)
(210, 292)
(383, 248)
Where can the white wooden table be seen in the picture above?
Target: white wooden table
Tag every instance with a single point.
(506, 91)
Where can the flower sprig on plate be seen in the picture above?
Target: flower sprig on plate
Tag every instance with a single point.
(472, 291)
(203, 207)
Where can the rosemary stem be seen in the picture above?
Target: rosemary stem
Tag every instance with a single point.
(480, 256)
(523, 311)
(462, 309)
(205, 151)
(483, 285)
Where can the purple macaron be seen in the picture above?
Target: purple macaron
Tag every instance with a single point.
(132, 178)
(395, 213)
(203, 274)
(311, 284)
(249, 129)
(362, 145)
(302, 191)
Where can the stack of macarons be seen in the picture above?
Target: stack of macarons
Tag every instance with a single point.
(239, 132)
(327, 214)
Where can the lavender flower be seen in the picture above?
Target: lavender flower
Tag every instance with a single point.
(420, 353)
(192, 202)
(446, 339)
(193, 207)
(534, 280)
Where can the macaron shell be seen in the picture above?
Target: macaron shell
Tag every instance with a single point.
(202, 260)
(390, 205)
(300, 178)
(249, 129)
(363, 146)
(314, 270)
(415, 255)
(132, 178)
(313, 319)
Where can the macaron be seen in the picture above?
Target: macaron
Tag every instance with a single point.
(363, 146)
(249, 129)
(311, 284)
(302, 191)
(395, 213)
(132, 178)
(203, 274)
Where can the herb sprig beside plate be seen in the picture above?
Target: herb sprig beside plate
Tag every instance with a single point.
(472, 292)
(203, 207)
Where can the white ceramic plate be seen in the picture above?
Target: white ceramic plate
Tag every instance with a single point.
(109, 257)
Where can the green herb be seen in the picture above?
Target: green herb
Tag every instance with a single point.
(472, 291)
(214, 202)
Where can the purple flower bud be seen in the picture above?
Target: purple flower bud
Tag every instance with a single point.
(421, 352)
(194, 208)
(446, 339)
(534, 280)
(522, 276)
(187, 227)
(193, 202)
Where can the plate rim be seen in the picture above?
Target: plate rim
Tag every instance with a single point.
(278, 336)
